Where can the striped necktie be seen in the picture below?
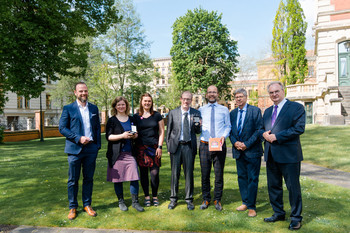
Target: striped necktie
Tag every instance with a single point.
(239, 129)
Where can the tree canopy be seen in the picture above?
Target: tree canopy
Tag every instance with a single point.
(288, 44)
(203, 52)
(38, 40)
(125, 47)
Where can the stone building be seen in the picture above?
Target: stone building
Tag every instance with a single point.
(327, 99)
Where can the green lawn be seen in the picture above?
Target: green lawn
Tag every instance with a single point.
(33, 177)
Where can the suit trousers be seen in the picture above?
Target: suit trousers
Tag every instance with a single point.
(87, 160)
(183, 155)
(291, 174)
(207, 160)
(248, 170)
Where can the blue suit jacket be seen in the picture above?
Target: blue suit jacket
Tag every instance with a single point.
(288, 127)
(251, 131)
(71, 126)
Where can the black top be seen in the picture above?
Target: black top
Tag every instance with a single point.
(148, 128)
(114, 148)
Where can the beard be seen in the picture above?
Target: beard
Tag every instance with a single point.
(83, 99)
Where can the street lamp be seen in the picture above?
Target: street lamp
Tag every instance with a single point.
(41, 121)
(347, 45)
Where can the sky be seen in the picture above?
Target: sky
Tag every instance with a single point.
(249, 22)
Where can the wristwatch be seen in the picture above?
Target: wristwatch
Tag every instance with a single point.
(160, 147)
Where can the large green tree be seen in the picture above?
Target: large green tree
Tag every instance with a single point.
(203, 52)
(125, 47)
(288, 44)
(38, 40)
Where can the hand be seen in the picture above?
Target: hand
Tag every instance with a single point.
(269, 136)
(243, 146)
(240, 146)
(135, 135)
(222, 140)
(84, 140)
(159, 153)
(127, 135)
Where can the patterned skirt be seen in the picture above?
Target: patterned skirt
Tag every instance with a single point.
(146, 156)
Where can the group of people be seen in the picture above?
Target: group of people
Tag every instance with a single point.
(135, 149)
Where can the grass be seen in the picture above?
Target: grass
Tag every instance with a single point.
(327, 146)
(33, 177)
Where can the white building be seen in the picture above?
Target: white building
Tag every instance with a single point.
(327, 99)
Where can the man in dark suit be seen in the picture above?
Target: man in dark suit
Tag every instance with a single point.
(80, 124)
(183, 124)
(247, 124)
(284, 122)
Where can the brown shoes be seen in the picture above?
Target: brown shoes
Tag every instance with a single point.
(242, 208)
(72, 214)
(88, 209)
(251, 213)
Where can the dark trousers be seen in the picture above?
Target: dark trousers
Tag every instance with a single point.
(134, 188)
(291, 174)
(207, 160)
(248, 170)
(183, 155)
(86, 160)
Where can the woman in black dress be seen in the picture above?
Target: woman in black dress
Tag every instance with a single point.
(122, 165)
(150, 127)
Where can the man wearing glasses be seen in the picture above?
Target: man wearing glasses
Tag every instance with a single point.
(215, 124)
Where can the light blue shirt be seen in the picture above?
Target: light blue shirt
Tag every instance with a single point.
(243, 114)
(182, 124)
(222, 121)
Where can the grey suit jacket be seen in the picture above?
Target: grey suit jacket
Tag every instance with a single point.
(174, 129)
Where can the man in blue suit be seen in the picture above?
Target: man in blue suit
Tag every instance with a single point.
(284, 122)
(247, 124)
(80, 124)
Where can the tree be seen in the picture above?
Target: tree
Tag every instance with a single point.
(38, 40)
(125, 46)
(288, 44)
(203, 53)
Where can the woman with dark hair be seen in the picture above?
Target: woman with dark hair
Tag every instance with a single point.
(122, 165)
(150, 126)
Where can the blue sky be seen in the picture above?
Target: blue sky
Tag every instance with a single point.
(249, 22)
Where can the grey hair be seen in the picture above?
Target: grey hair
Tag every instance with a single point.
(186, 92)
(240, 91)
(275, 82)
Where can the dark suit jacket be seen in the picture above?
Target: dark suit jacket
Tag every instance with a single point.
(174, 129)
(114, 147)
(288, 127)
(251, 131)
(71, 126)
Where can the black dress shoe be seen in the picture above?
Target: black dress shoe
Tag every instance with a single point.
(190, 206)
(275, 218)
(294, 225)
(172, 205)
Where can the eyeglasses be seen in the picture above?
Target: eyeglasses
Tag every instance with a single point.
(212, 92)
(239, 97)
(274, 92)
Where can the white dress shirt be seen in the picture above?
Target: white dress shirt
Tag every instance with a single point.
(85, 115)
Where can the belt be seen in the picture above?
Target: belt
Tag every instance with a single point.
(204, 142)
(184, 142)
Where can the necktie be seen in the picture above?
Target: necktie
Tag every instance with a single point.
(274, 115)
(239, 129)
(186, 128)
(212, 122)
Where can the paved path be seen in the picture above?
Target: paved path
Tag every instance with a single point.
(315, 172)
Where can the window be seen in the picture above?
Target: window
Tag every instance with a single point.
(19, 101)
(48, 101)
(311, 71)
(27, 103)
